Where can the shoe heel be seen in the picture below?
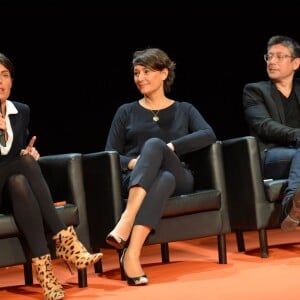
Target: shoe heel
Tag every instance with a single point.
(69, 267)
(121, 255)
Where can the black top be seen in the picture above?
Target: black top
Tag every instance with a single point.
(291, 109)
(180, 123)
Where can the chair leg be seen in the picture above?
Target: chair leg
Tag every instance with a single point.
(263, 243)
(27, 266)
(98, 268)
(164, 249)
(28, 272)
(222, 249)
(240, 240)
(82, 278)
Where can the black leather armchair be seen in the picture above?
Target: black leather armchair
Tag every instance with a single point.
(254, 202)
(200, 214)
(63, 173)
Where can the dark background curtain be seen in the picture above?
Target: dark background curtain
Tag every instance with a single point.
(73, 61)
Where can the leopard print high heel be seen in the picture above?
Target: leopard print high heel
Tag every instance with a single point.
(52, 289)
(71, 250)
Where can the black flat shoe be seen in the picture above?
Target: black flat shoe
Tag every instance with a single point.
(113, 241)
(134, 281)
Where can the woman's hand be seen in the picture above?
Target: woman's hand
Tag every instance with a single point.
(132, 163)
(31, 150)
(171, 146)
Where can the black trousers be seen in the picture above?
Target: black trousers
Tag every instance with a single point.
(25, 193)
(160, 172)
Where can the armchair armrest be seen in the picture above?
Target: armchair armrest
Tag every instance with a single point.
(208, 169)
(244, 180)
(102, 181)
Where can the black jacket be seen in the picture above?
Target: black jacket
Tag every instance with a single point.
(264, 114)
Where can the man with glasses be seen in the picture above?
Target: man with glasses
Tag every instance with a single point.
(272, 111)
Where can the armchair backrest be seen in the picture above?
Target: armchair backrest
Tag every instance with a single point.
(254, 203)
(63, 173)
(102, 179)
(208, 169)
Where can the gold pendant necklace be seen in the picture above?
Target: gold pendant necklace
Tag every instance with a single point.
(155, 115)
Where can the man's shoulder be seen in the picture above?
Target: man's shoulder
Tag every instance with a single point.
(258, 84)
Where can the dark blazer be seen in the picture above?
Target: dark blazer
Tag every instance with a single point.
(265, 115)
(19, 124)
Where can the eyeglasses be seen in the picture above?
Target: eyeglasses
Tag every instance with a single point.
(278, 57)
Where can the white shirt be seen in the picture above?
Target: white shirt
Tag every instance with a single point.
(10, 110)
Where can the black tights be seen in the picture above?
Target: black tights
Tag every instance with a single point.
(28, 197)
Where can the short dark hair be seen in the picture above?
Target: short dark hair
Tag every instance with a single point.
(286, 41)
(6, 62)
(156, 59)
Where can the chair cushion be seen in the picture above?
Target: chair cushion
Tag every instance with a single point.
(68, 213)
(8, 227)
(204, 200)
(275, 189)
